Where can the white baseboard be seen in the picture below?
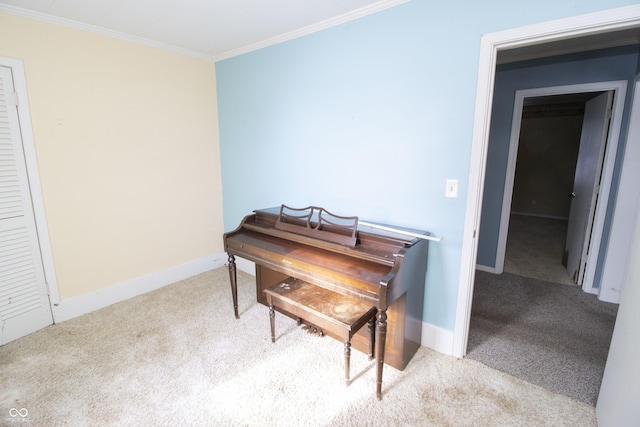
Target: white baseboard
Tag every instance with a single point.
(83, 304)
(486, 269)
(433, 337)
(540, 215)
(247, 266)
(438, 339)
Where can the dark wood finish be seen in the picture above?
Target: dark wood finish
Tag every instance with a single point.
(399, 348)
(325, 312)
(234, 284)
(319, 223)
(384, 270)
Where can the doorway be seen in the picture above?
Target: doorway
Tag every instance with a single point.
(592, 172)
(527, 322)
(548, 148)
(611, 27)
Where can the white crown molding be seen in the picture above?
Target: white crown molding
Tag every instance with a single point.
(322, 25)
(328, 23)
(12, 10)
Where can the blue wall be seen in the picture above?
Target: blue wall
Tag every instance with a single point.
(369, 118)
(597, 66)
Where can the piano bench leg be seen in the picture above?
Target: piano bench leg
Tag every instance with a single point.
(234, 284)
(381, 335)
(347, 362)
(272, 321)
(372, 336)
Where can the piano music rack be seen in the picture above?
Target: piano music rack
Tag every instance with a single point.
(319, 223)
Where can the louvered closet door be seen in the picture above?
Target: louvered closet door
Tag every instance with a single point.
(24, 300)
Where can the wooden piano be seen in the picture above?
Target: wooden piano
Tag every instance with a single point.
(377, 265)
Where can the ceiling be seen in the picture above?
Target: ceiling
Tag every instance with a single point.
(209, 28)
(219, 29)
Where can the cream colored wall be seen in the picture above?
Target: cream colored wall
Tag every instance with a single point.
(126, 137)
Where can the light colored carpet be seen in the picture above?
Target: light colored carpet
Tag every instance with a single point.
(177, 356)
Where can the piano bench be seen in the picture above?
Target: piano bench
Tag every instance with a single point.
(330, 313)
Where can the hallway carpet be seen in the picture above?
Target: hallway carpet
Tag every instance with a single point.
(552, 335)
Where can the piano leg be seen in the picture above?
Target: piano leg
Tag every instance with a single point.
(347, 362)
(381, 335)
(372, 337)
(272, 321)
(234, 284)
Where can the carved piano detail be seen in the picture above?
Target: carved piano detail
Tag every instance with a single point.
(379, 266)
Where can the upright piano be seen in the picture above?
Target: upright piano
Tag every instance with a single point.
(377, 264)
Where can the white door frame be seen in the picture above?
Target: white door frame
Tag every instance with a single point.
(620, 90)
(626, 208)
(20, 86)
(490, 44)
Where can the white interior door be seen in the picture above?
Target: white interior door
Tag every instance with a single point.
(24, 298)
(586, 184)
